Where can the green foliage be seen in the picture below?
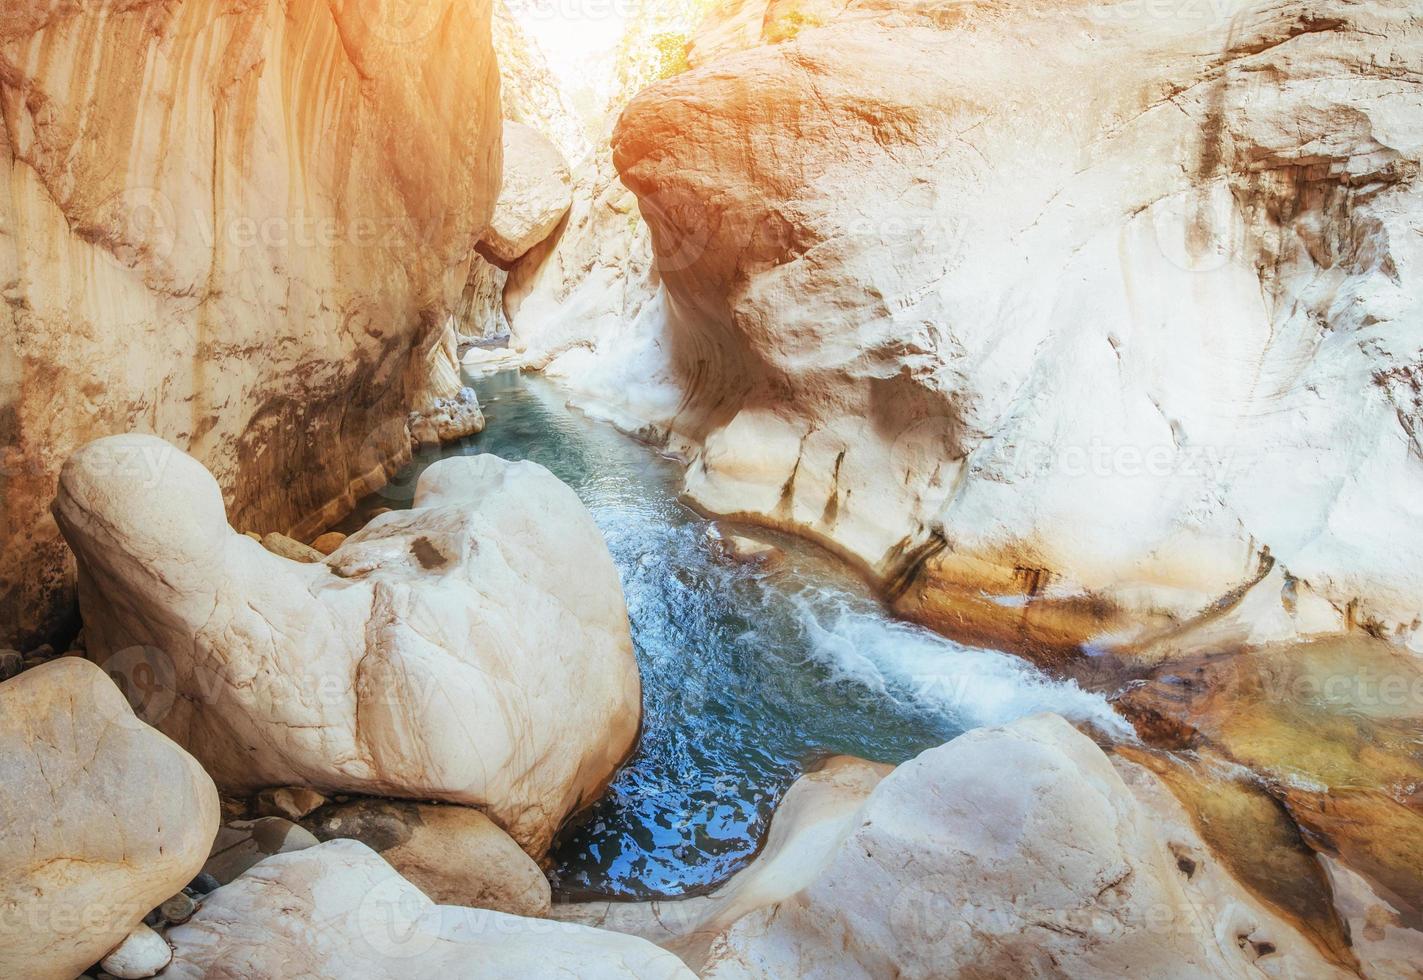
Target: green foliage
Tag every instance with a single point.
(787, 27)
(671, 54)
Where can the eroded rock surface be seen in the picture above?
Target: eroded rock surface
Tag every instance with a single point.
(236, 228)
(1082, 326)
(101, 819)
(338, 911)
(441, 653)
(1015, 851)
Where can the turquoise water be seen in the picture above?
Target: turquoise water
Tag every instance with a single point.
(750, 674)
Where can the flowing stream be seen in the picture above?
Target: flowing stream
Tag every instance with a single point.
(750, 673)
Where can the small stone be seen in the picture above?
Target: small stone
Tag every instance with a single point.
(203, 884)
(11, 663)
(253, 535)
(40, 654)
(178, 909)
(280, 544)
(382, 510)
(291, 802)
(329, 542)
(143, 954)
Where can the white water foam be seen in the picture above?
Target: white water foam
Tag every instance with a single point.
(970, 686)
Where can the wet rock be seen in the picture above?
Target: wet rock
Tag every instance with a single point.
(243, 843)
(338, 911)
(101, 819)
(142, 954)
(455, 855)
(817, 813)
(289, 802)
(328, 542)
(442, 653)
(742, 548)
(280, 544)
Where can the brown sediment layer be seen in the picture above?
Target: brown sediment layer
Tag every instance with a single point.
(1254, 837)
(1329, 731)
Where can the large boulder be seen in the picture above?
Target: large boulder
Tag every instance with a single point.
(238, 231)
(537, 192)
(101, 819)
(1016, 851)
(337, 911)
(441, 653)
(1043, 330)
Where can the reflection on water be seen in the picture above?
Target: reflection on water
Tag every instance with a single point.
(749, 674)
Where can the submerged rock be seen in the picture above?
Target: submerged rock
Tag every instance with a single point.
(101, 819)
(338, 911)
(1015, 851)
(442, 653)
(454, 854)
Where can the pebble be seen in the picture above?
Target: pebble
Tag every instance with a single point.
(204, 883)
(178, 909)
(291, 802)
(143, 954)
(11, 663)
(329, 542)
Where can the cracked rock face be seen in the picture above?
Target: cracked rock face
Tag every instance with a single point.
(101, 819)
(1087, 320)
(337, 911)
(474, 649)
(1056, 869)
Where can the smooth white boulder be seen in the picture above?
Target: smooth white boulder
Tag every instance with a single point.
(338, 911)
(474, 649)
(1015, 851)
(101, 819)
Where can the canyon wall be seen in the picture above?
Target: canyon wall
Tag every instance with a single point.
(1090, 323)
(237, 225)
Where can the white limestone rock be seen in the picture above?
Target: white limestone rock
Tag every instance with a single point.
(441, 653)
(1014, 851)
(338, 911)
(1091, 309)
(101, 819)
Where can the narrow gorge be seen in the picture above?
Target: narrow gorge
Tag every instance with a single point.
(711, 488)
